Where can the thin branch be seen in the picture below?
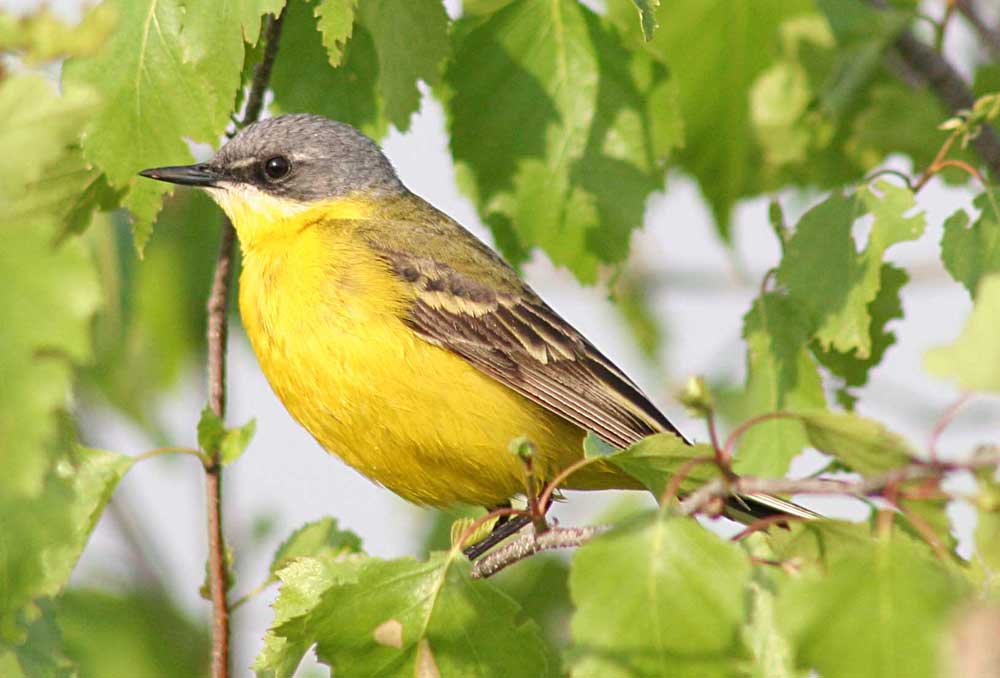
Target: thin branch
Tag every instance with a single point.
(887, 485)
(705, 495)
(530, 543)
(942, 423)
(217, 307)
(990, 36)
(951, 89)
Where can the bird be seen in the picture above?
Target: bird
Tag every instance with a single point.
(401, 342)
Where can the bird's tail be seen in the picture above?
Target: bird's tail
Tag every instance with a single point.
(750, 507)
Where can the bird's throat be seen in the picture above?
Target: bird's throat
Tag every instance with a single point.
(260, 217)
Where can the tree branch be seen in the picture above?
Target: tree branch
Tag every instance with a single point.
(706, 495)
(217, 308)
(990, 36)
(531, 543)
(950, 88)
(888, 484)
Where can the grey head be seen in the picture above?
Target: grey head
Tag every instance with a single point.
(298, 157)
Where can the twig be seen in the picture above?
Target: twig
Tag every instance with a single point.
(546, 496)
(750, 423)
(942, 423)
(763, 524)
(864, 487)
(990, 36)
(888, 485)
(672, 488)
(526, 453)
(950, 88)
(160, 451)
(531, 543)
(218, 304)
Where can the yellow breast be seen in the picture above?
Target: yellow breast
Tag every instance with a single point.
(324, 316)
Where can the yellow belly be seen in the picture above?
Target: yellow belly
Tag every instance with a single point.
(324, 318)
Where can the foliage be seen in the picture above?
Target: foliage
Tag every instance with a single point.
(562, 121)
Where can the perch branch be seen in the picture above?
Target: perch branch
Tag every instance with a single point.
(890, 485)
(531, 543)
(217, 308)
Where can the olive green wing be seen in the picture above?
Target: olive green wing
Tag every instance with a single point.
(469, 301)
(475, 306)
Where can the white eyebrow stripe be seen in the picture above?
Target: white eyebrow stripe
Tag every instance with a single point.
(243, 163)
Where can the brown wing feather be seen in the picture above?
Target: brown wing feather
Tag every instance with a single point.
(518, 340)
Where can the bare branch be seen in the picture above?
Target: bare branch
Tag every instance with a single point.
(530, 543)
(951, 89)
(989, 35)
(217, 307)
(890, 485)
(706, 495)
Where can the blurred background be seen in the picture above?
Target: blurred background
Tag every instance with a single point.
(680, 301)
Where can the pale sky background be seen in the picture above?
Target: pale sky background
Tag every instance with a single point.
(286, 476)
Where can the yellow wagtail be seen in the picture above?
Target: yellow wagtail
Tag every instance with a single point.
(402, 343)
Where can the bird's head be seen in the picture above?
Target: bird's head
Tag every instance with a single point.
(279, 168)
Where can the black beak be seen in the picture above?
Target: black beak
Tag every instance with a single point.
(188, 175)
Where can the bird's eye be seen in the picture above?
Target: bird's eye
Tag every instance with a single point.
(277, 167)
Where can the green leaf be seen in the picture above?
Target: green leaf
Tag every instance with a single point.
(864, 445)
(565, 158)
(214, 35)
(822, 241)
(647, 16)
(972, 252)
(863, 33)
(885, 307)
(229, 443)
(895, 220)
(719, 145)
(211, 430)
(335, 20)
(818, 543)
(781, 376)
(319, 539)
(152, 326)
(44, 535)
(838, 300)
(988, 523)
(655, 459)
(229, 573)
(304, 582)
(973, 359)
(783, 97)
(172, 73)
(677, 570)
(50, 289)
(41, 654)
(772, 653)
(134, 634)
(371, 617)
(892, 592)
(540, 585)
(594, 446)
(45, 36)
(346, 93)
(879, 131)
(235, 442)
(37, 138)
(411, 41)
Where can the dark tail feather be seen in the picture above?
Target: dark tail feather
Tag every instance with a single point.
(750, 507)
